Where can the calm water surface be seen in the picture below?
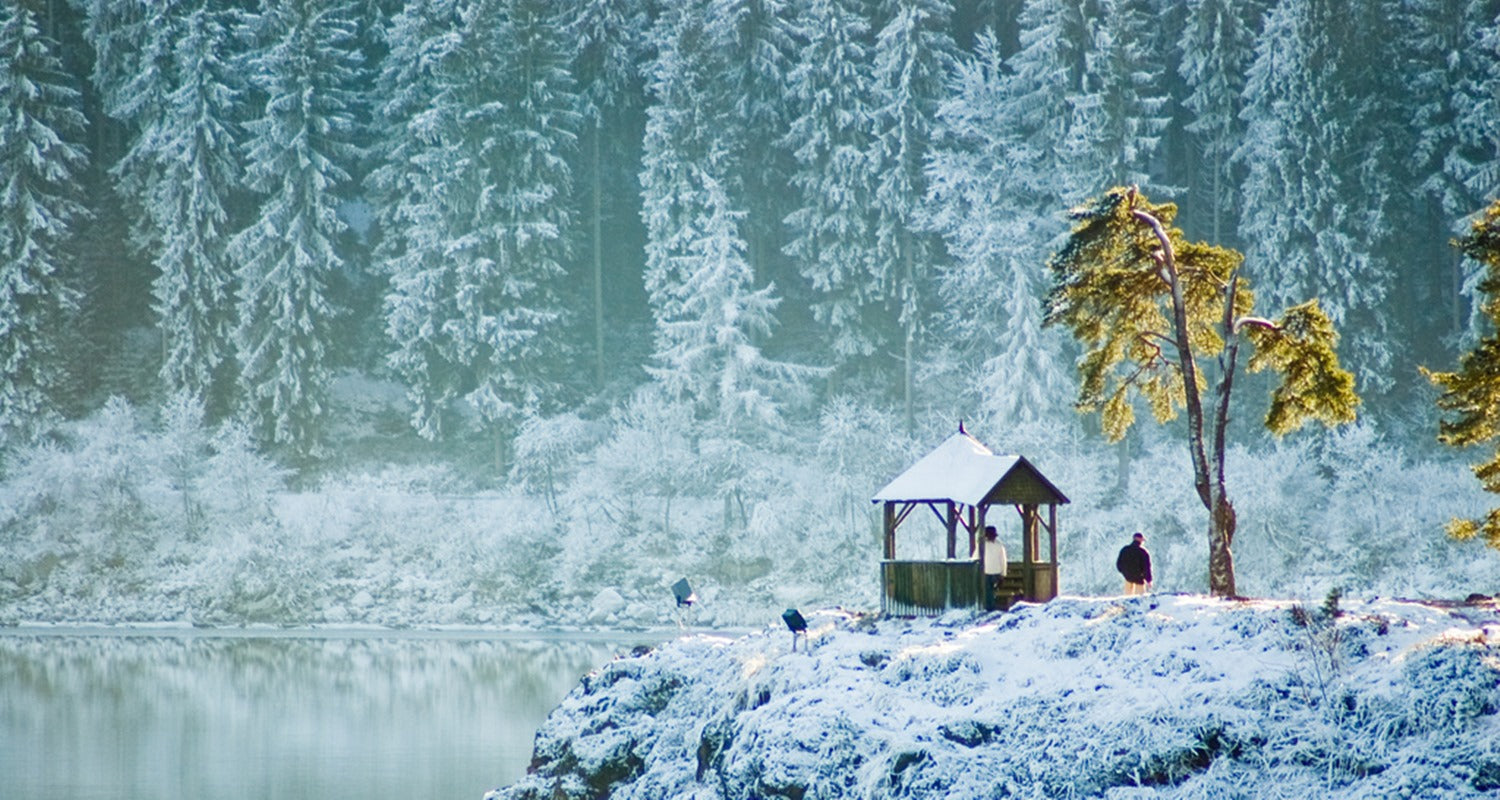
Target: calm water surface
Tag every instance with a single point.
(276, 716)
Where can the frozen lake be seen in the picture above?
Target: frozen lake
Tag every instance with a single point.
(277, 715)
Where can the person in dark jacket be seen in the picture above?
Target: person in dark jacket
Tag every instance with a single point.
(1134, 563)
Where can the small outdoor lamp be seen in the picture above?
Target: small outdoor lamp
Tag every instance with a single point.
(796, 624)
(685, 595)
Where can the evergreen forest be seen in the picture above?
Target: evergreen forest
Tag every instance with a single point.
(689, 280)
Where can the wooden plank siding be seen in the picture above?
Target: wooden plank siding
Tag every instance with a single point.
(929, 588)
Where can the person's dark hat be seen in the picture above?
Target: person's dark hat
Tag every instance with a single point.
(1139, 535)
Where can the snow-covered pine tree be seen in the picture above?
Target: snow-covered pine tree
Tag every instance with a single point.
(1479, 106)
(707, 352)
(297, 157)
(830, 137)
(609, 41)
(700, 284)
(1463, 154)
(145, 49)
(1120, 111)
(41, 158)
(418, 40)
(1216, 48)
(188, 203)
(1309, 212)
(1417, 78)
(913, 54)
(758, 43)
(980, 193)
(515, 256)
(116, 30)
(1042, 77)
(475, 294)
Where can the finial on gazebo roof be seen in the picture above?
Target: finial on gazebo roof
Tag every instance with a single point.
(961, 427)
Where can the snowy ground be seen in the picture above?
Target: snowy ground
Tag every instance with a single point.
(1165, 697)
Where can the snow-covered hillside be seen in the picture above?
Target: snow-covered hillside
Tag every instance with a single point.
(1176, 696)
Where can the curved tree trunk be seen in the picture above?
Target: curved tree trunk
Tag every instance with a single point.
(1220, 556)
(1208, 467)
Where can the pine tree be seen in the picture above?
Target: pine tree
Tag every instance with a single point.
(1217, 46)
(830, 137)
(699, 281)
(419, 39)
(609, 37)
(913, 54)
(1041, 78)
(1310, 206)
(298, 158)
(194, 144)
(1150, 308)
(475, 295)
(1479, 166)
(757, 39)
(40, 162)
(1473, 391)
(146, 72)
(1119, 112)
(980, 200)
(406, 188)
(1457, 86)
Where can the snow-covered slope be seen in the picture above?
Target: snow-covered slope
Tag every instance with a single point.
(1164, 697)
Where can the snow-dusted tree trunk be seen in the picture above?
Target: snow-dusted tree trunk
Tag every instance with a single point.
(608, 38)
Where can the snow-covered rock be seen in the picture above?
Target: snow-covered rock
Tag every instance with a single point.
(1162, 697)
(606, 603)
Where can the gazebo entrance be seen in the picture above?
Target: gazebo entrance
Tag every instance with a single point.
(962, 482)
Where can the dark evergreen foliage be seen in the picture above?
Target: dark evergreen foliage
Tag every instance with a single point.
(896, 238)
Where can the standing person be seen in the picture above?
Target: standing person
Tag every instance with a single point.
(1134, 563)
(995, 562)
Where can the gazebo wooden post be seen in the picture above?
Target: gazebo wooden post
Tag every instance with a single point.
(1052, 545)
(973, 514)
(1028, 557)
(890, 530)
(952, 523)
(978, 551)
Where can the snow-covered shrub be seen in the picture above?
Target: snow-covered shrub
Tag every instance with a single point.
(85, 498)
(546, 452)
(1452, 683)
(183, 446)
(239, 483)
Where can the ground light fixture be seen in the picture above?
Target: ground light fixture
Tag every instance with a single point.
(685, 596)
(796, 624)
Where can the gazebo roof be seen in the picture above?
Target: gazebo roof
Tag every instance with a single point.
(963, 471)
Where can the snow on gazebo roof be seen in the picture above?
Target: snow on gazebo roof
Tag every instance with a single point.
(962, 470)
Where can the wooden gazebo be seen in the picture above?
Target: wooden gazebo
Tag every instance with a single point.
(960, 481)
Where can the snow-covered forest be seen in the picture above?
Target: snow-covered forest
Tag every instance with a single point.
(487, 311)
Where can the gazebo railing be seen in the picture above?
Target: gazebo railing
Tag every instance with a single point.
(928, 588)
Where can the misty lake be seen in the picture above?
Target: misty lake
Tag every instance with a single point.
(277, 715)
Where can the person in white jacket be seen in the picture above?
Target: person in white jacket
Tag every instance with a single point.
(995, 561)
